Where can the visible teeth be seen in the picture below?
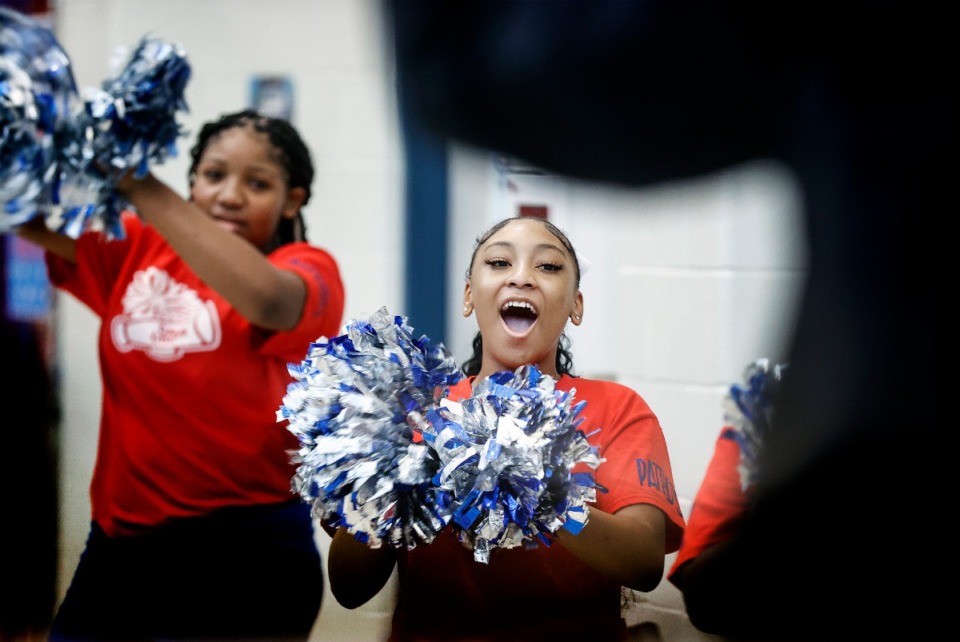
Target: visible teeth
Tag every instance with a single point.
(516, 304)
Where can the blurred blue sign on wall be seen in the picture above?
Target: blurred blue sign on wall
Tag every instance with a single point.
(29, 293)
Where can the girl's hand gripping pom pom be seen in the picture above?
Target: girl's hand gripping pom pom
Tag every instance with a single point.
(126, 126)
(357, 407)
(508, 455)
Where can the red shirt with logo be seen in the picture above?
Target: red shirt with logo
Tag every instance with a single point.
(190, 387)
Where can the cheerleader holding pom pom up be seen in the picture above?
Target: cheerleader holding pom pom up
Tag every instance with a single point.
(203, 303)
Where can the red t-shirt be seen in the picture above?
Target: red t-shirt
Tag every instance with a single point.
(545, 592)
(719, 505)
(190, 387)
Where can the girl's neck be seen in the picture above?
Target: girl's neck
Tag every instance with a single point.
(486, 372)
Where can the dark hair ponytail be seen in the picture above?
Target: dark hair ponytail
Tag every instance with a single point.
(290, 152)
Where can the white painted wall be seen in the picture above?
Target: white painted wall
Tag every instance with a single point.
(689, 281)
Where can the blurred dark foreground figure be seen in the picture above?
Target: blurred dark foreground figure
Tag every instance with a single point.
(852, 97)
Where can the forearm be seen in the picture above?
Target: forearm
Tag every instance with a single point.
(266, 296)
(627, 546)
(36, 231)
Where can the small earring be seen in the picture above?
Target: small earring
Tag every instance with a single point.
(576, 317)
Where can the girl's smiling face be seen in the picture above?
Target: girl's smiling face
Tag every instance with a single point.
(523, 287)
(240, 183)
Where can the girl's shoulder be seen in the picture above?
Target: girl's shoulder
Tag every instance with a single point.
(300, 247)
(603, 396)
(301, 252)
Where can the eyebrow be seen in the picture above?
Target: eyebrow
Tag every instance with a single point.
(269, 167)
(539, 246)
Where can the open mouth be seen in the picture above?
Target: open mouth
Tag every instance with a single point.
(518, 316)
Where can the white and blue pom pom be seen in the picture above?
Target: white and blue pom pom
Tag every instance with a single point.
(38, 99)
(748, 409)
(507, 457)
(61, 155)
(357, 406)
(128, 125)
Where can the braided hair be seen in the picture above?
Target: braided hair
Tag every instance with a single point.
(289, 150)
(564, 362)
